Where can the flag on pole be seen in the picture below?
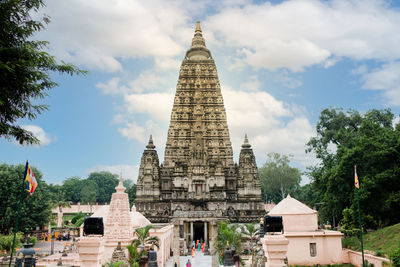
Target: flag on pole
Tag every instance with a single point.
(356, 183)
(30, 178)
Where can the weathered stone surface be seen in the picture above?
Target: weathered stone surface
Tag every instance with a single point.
(119, 256)
(198, 172)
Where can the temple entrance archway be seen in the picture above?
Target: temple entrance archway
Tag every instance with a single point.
(198, 229)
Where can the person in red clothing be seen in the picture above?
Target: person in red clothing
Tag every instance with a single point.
(193, 250)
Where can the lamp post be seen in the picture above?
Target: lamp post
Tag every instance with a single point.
(26, 256)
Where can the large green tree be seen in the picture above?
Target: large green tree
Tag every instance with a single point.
(278, 178)
(131, 193)
(25, 68)
(35, 209)
(370, 141)
(89, 192)
(71, 189)
(106, 183)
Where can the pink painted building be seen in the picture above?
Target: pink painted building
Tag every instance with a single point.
(308, 245)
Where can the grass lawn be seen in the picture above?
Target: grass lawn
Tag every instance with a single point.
(382, 241)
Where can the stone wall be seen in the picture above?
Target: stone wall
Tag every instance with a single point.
(355, 258)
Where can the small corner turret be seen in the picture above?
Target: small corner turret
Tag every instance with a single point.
(248, 181)
(148, 183)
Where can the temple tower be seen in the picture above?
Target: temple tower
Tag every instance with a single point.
(198, 182)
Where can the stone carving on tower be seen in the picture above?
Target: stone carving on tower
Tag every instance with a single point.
(198, 172)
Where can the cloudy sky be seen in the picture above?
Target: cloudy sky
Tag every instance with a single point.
(279, 64)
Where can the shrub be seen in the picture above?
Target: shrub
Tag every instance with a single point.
(77, 217)
(395, 257)
(351, 243)
(380, 253)
(350, 232)
(6, 241)
(33, 240)
(348, 219)
(79, 222)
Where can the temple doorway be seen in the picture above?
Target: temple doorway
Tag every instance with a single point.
(198, 229)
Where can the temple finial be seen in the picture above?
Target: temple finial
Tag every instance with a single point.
(150, 145)
(198, 28)
(246, 143)
(120, 187)
(198, 50)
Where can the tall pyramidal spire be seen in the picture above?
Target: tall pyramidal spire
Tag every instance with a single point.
(198, 131)
(198, 173)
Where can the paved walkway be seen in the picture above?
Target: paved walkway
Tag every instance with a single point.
(45, 247)
(199, 260)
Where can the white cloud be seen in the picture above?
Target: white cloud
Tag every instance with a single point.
(271, 125)
(147, 80)
(294, 34)
(252, 85)
(288, 80)
(98, 33)
(157, 105)
(299, 33)
(40, 134)
(386, 79)
(110, 87)
(141, 132)
(128, 171)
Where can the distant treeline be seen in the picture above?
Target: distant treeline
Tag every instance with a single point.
(97, 188)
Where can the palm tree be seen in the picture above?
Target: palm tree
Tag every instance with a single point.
(134, 254)
(229, 235)
(250, 231)
(143, 237)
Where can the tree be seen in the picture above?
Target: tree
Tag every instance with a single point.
(307, 195)
(277, 178)
(135, 254)
(106, 183)
(131, 193)
(89, 191)
(24, 68)
(72, 189)
(228, 235)
(35, 209)
(143, 238)
(370, 141)
(250, 231)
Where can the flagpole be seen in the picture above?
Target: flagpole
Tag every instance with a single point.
(359, 215)
(18, 212)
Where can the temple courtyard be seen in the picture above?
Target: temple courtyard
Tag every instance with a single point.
(199, 260)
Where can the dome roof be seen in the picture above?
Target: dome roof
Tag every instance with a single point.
(290, 205)
(101, 212)
(138, 220)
